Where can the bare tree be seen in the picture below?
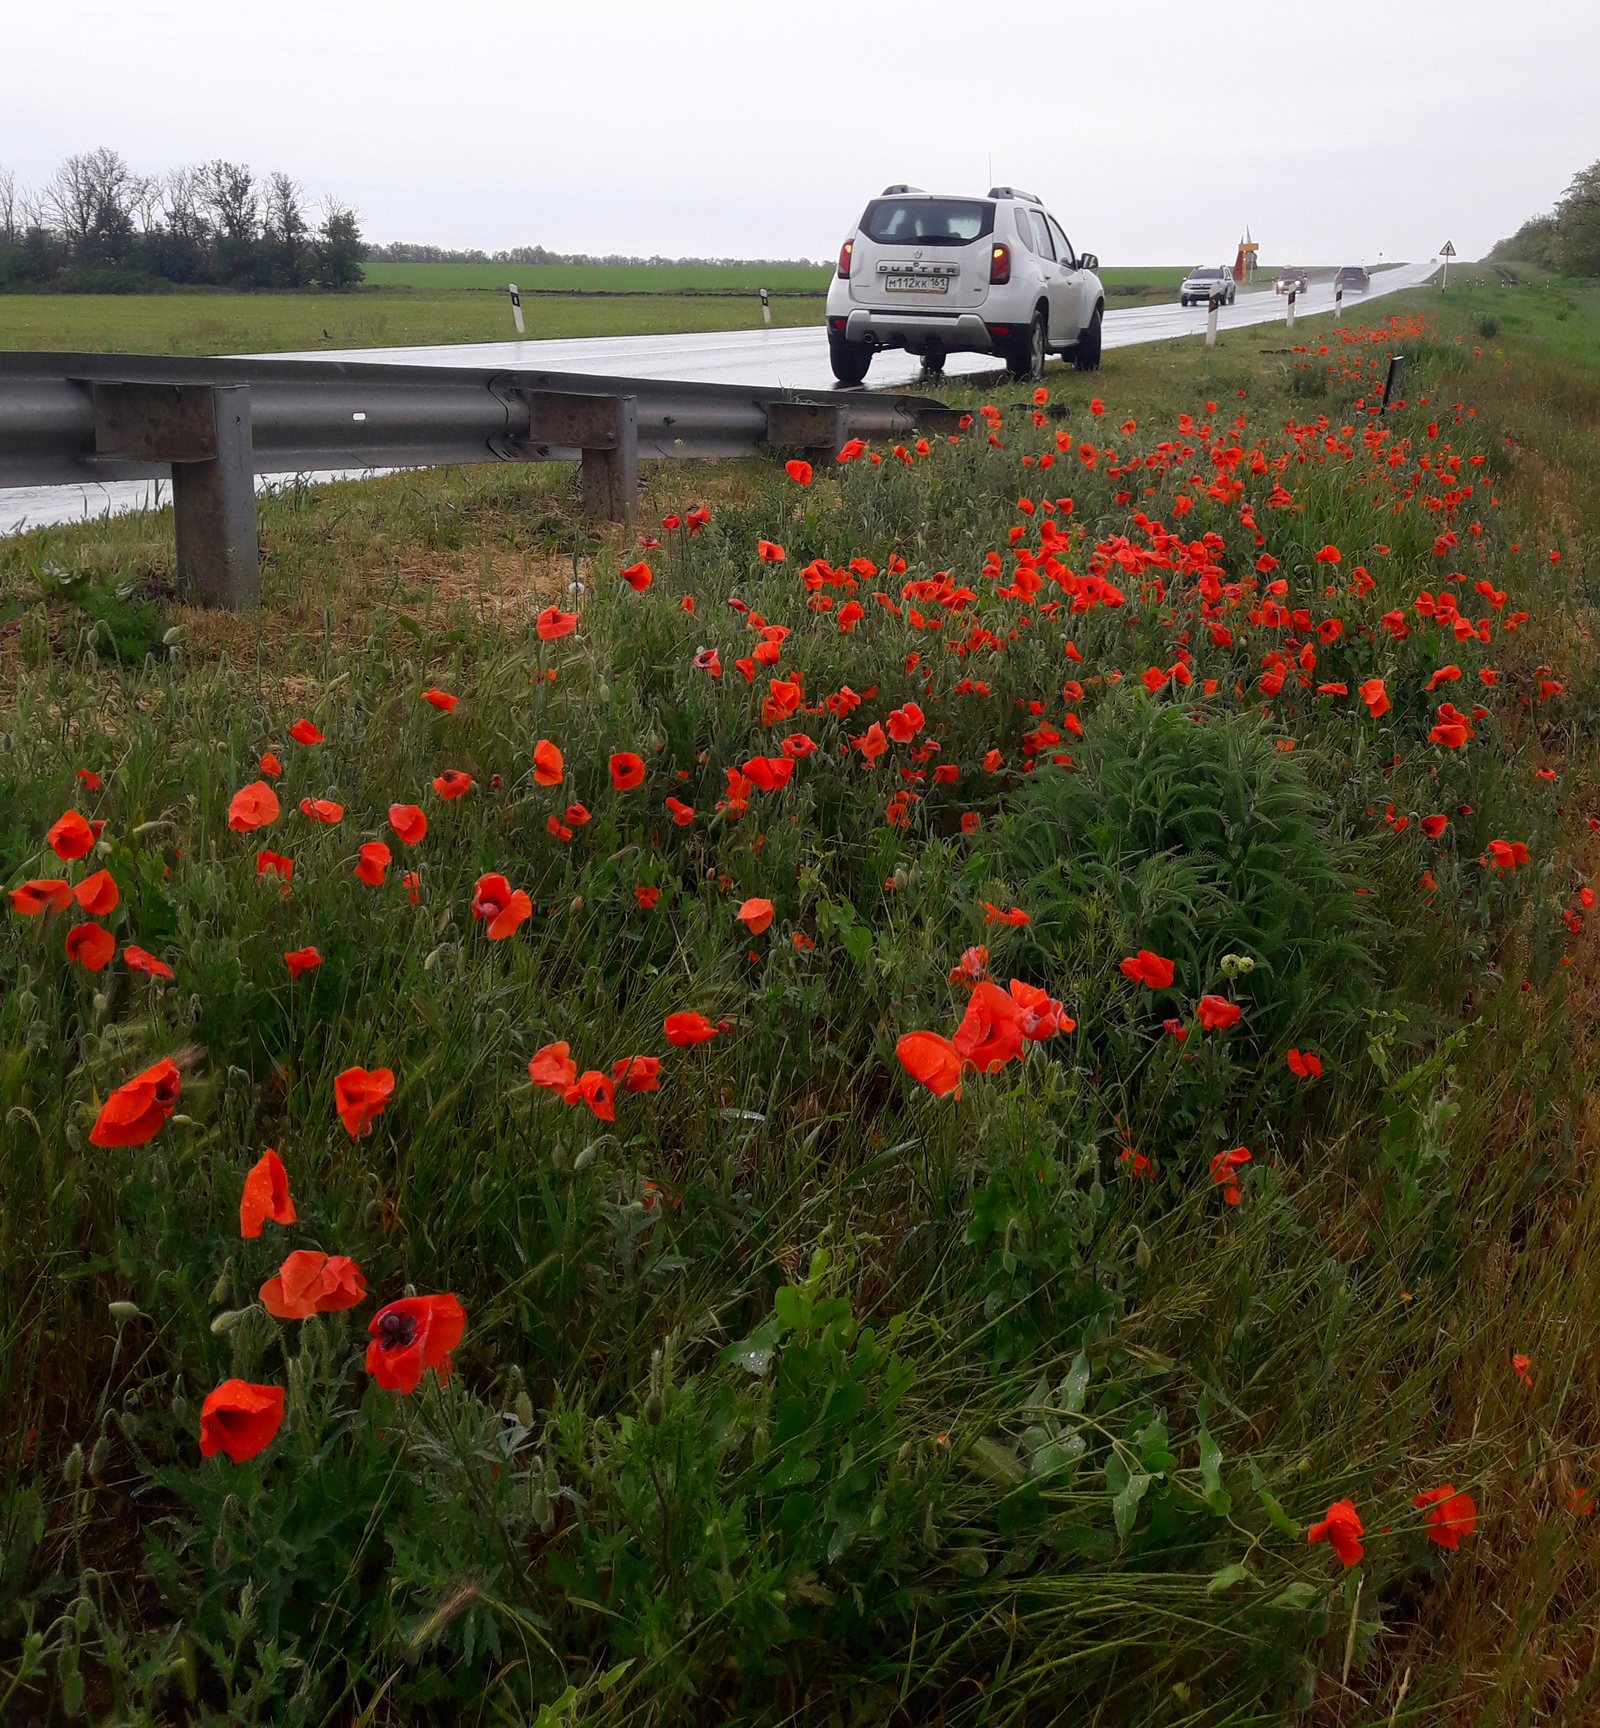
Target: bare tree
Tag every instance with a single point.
(183, 205)
(287, 233)
(88, 196)
(232, 200)
(9, 231)
(144, 202)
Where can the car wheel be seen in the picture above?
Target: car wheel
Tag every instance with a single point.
(1087, 358)
(1183, 300)
(933, 361)
(849, 360)
(1026, 357)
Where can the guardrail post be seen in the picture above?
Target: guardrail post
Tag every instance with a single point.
(610, 477)
(204, 431)
(808, 425)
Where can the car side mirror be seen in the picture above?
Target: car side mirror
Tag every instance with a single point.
(1088, 261)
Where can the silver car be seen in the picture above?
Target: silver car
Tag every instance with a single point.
(938, 275)
(1207, 282)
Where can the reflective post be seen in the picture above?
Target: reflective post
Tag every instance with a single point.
(516, 307)
(1291, 308)
(1211, 322)
(1338, 304)
(766, 308)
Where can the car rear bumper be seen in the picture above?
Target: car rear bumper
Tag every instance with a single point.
(954, 330)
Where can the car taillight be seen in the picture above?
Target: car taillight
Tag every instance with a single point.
(844, 257)
(1000, 264)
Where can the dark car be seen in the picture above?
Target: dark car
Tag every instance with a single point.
(1352, 278)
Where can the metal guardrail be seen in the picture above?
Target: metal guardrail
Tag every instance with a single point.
(213, 425)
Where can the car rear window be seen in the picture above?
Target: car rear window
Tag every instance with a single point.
(928, 221)
(1201, 271)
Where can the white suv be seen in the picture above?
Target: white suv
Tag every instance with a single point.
(1207, 282)
(942, 275)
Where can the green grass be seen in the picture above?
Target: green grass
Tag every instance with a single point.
(741, 279)
(795, 1393)
(376, 318)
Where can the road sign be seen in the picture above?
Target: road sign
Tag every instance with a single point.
(1447, 250)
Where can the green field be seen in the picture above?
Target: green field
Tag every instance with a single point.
(737, 279)
(799, 1389)
(377, 318)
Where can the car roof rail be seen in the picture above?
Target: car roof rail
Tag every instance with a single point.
(890, 191)
(1013, 192)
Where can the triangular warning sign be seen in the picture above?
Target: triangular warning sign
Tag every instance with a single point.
(1447, 250)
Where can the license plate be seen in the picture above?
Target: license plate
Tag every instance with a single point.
(909, 284)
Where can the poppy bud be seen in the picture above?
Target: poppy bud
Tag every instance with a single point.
(1142, 1255)
(123, 1312)
(544, 1514)
(99, 1457)
(653, 1409)
(226, 1321)
(72, 1470)
(524, 1409)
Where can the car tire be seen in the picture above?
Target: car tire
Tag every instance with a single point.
(933, 362)
(1025, 358)
(848, 359)
(1087, 356)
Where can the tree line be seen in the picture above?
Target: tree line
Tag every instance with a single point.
(1567, 240)
(405, 252)
(97, 226)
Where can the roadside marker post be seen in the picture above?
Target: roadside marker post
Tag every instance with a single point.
(516, 308)
(1391, 383)
(766, 307)
(1291, 308)
(1211, 322)
(1338, 304)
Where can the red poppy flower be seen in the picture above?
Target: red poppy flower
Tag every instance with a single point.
(1175, 1029)
(637, 1073)
(577, 815)
(408, 822)
(1519, 1367)
(685, 1029)
(646, 894)
(1223, 1173)
(311, 1283)
(1041, 1017)
(548, 763)
(1328, 555)
(322, 810)
(274, 864)
(768, 552)
(505, 908)
(90, 945)
(136, 958)
(1452, 734)
(1303, 1063)
(440, 699)
(303, 732)
(553, 623)
(992, 761)
(1451, 1517)
(266, 1195)
(993, 915)
(300, 960)
(134, 1113)
(42, 894)
(1217, 1013)
(88, 779)
(627, 770)
(360, 1097)
(239, 1419)
(97, 894)
(1434, 826)
(372, 860)
(253, 806)
(770, 773)
(682, 814)
(931, 1061)
(596, 1090)
(905, 723)
(797, 746)
(970, 822)
(1342, 1530)
(452, 783)
(637, 576)
(412, 1335)
(990, 1033)
(553, 1067)
(269, 764)
(1148, 969)
(799, 472)
(755, 915)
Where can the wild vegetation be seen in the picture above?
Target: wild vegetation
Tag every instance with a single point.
(994, 1039)
(1567, 239)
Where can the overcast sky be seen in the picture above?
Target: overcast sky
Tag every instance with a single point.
(1156, 130)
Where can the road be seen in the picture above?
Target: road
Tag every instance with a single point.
(794, 358)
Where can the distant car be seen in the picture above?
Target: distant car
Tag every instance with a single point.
(1352, 278)
(1291, 281)
(940, 275)
(1206, 282)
